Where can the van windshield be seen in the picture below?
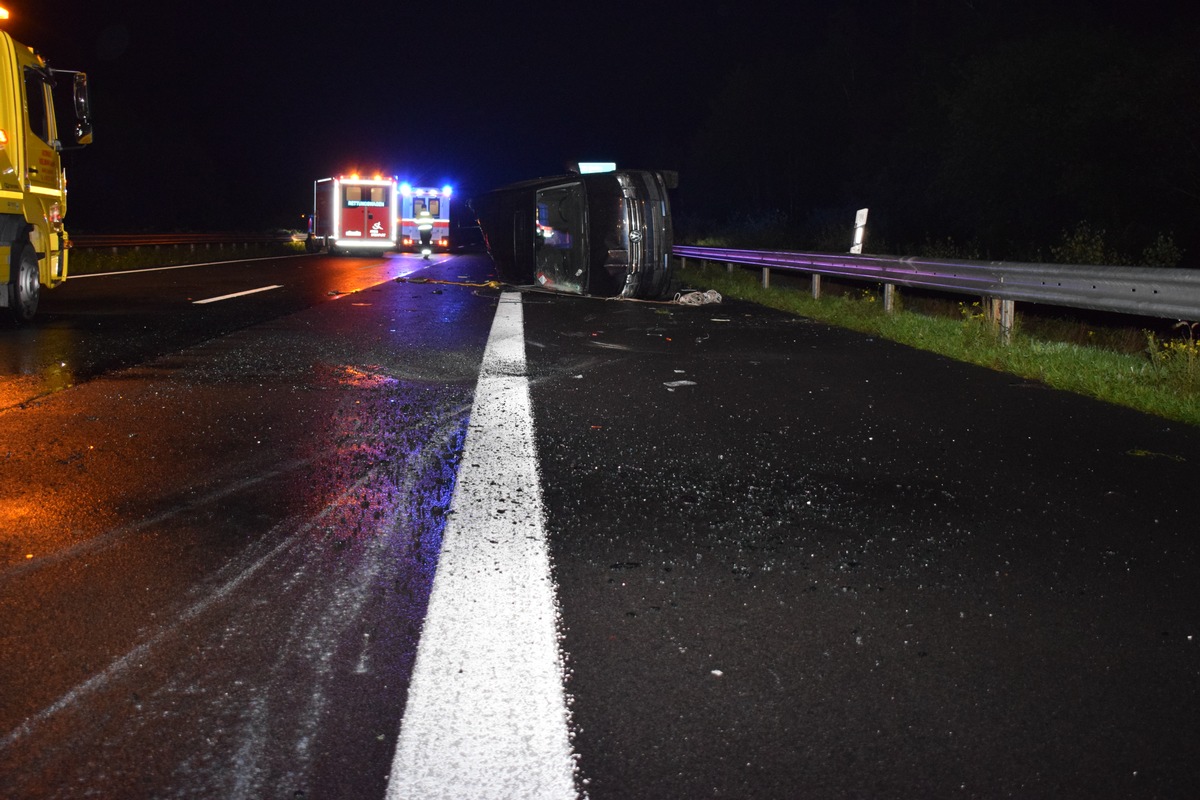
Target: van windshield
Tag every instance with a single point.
(560, 237)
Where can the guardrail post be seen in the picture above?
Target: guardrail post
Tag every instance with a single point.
(889, 297)
(766, 277)
(1003, 316)
(816, 286)
(1007, 319)
(729, 266)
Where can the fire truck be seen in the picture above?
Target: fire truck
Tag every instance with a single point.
(353, 215)
(414, 201)
(33, 185)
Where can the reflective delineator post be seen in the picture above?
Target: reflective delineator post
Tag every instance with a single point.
(856, 248)
(860, 231)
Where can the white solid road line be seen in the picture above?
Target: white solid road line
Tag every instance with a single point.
(237, 294)
(79, 276)
(486, 714)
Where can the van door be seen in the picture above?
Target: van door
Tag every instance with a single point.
(365, 212)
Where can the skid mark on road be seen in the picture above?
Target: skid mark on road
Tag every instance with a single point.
(295, 533)
(141, 651)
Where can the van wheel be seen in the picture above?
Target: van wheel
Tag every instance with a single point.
(26, 288)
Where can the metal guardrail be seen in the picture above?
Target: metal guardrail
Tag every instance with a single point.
(1145, 291)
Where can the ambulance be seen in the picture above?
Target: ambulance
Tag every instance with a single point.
(415, 202)
(352, 214)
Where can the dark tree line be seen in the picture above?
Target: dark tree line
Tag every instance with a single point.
(1000, 129)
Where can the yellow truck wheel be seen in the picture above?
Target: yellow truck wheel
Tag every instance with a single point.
(25, 288)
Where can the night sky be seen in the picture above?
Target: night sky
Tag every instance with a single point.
(220, 116)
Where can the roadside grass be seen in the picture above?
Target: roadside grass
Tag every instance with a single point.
(95, 260)
(1162, 379)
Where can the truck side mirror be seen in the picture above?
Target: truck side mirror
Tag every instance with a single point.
(83, 128)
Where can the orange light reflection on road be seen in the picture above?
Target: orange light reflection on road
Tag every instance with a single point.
(21, 389)
(16, 513)
(36, 364)
(19, 518)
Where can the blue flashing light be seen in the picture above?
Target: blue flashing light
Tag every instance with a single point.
(405, 189)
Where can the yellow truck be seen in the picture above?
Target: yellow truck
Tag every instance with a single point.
(33, 185)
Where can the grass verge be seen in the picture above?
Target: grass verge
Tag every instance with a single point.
(1164, 380)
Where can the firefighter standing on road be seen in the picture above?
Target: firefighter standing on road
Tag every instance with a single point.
(425, 229)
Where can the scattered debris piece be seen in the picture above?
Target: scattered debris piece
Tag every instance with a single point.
(1152, 454)
(697, 298)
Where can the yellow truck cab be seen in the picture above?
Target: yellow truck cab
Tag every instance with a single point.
(33, 186)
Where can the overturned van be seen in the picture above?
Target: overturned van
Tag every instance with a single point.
(606, 234)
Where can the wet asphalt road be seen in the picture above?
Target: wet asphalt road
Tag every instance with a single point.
(215, 561)
(791, 561)
(838, 567)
